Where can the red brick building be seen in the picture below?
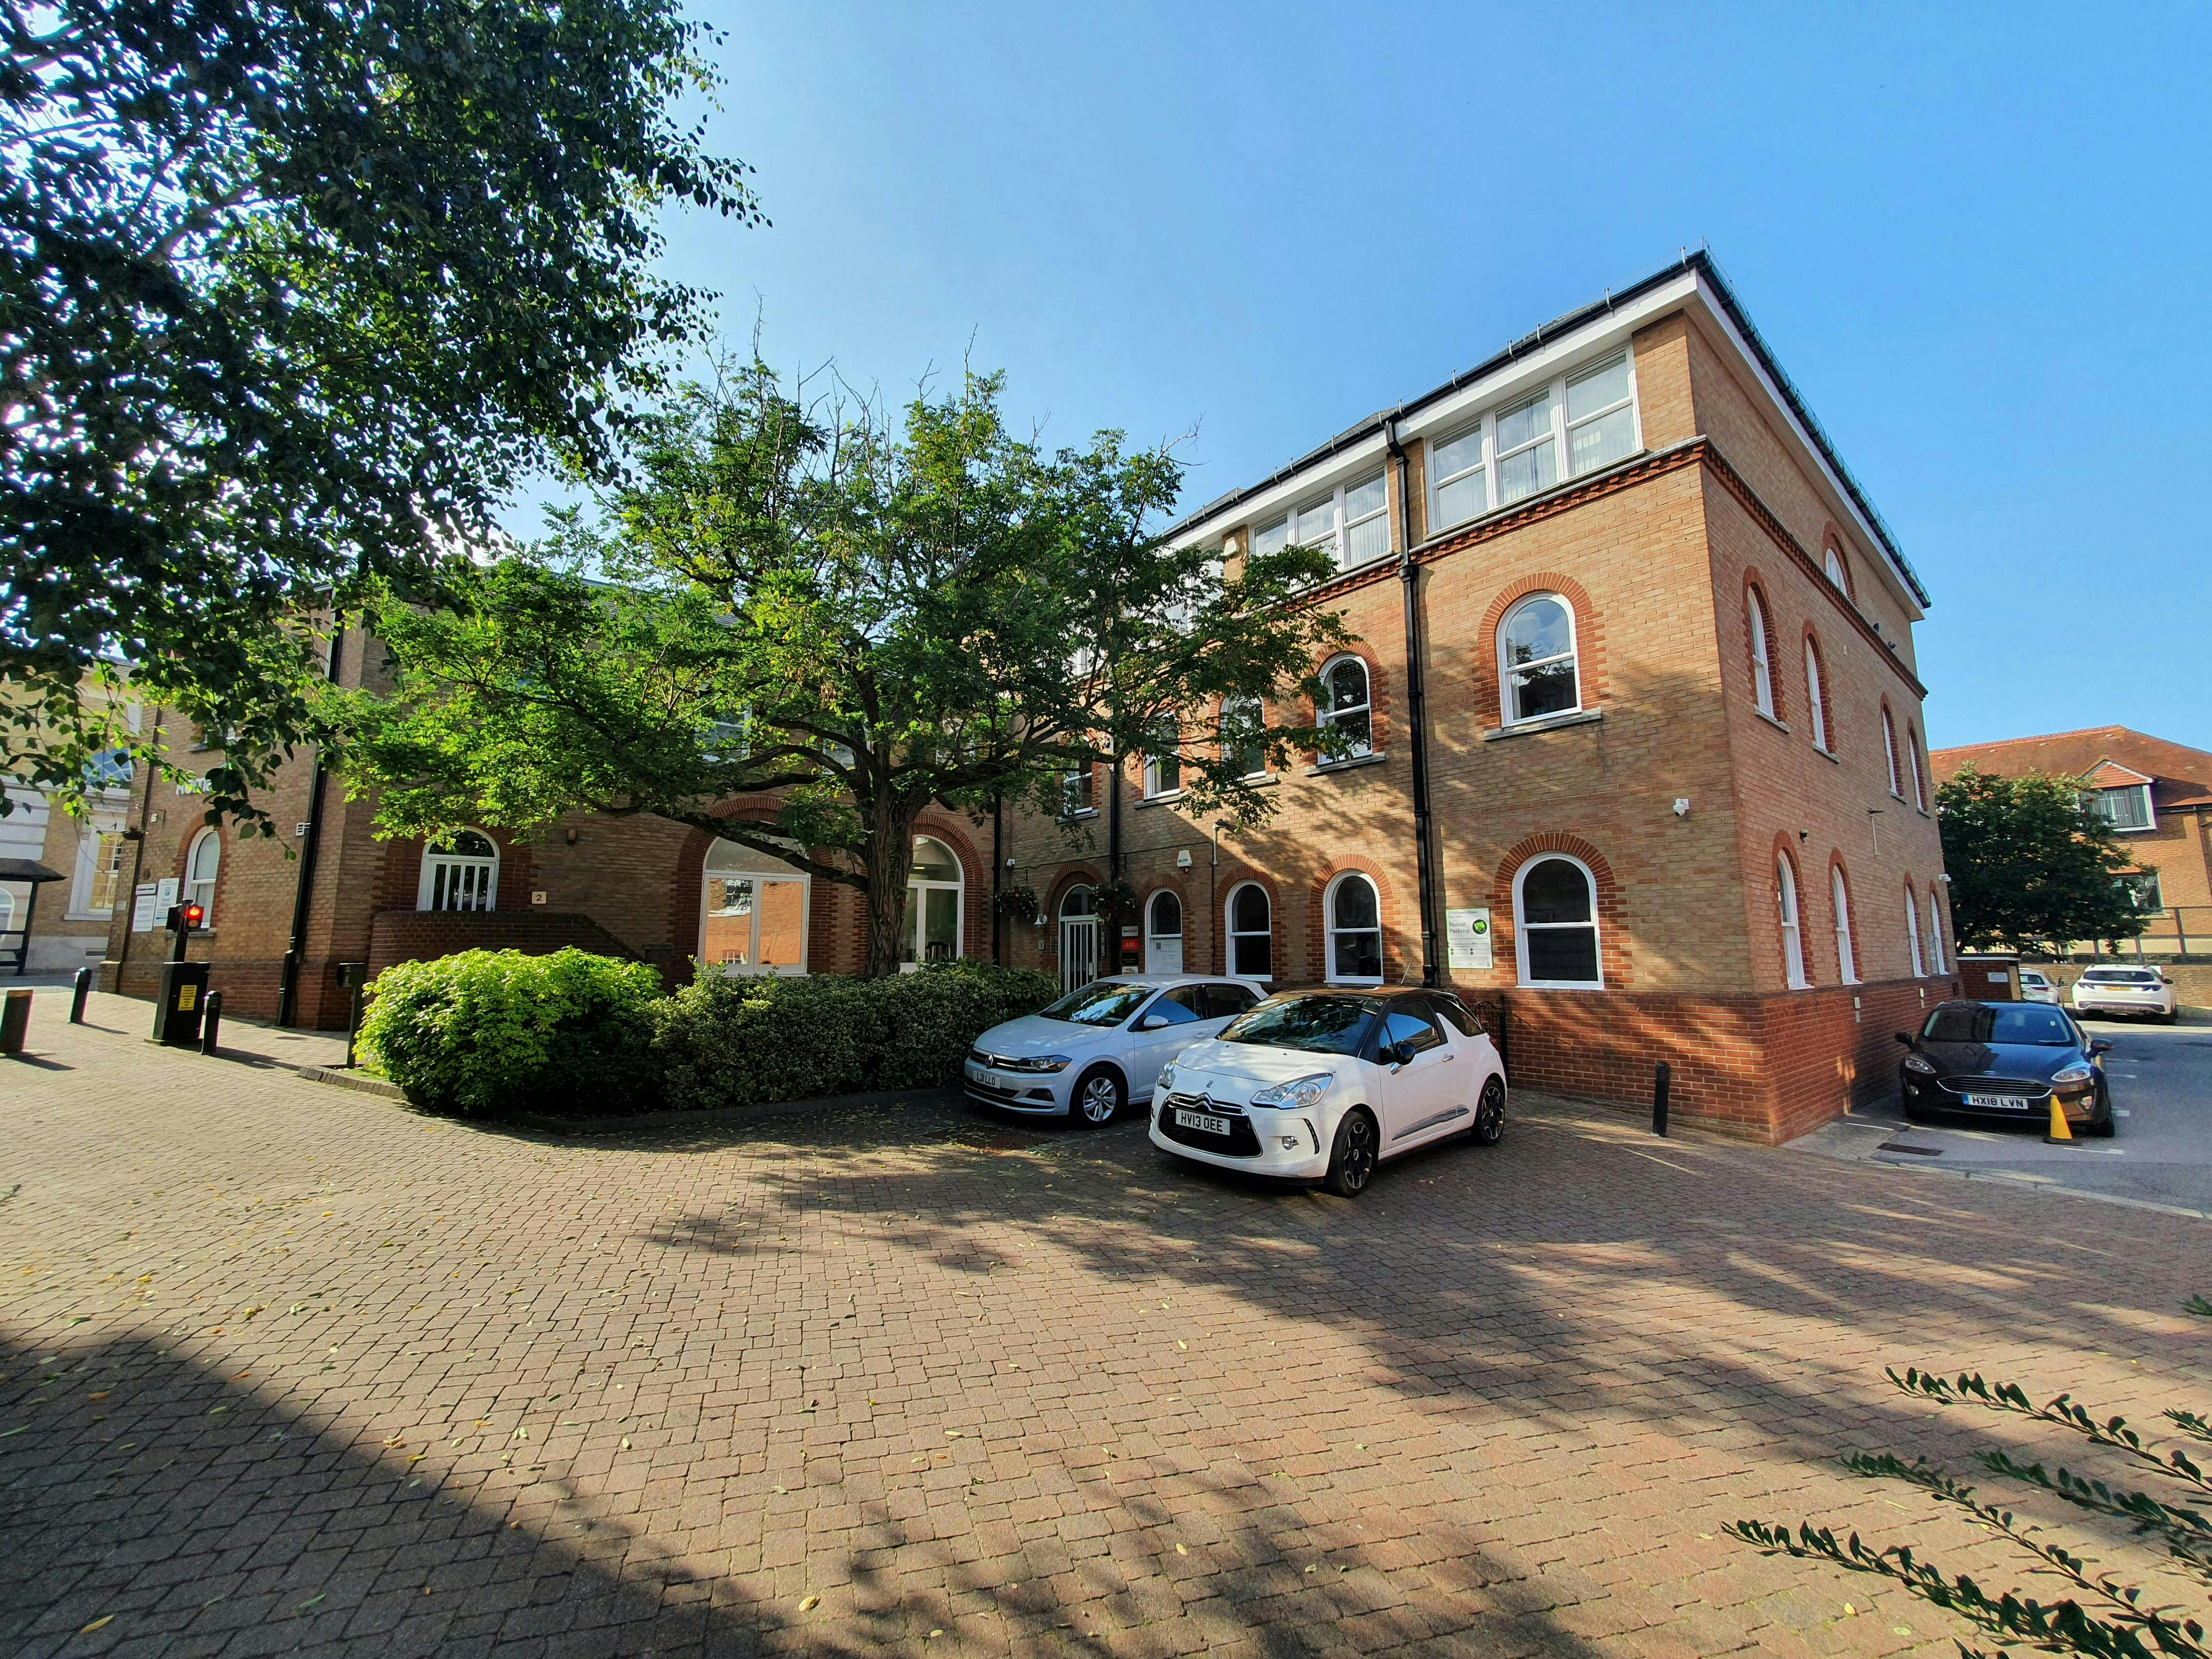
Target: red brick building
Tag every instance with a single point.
(1641, 742)
(1677, 804)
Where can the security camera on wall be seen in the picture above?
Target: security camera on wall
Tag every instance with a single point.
(1681, 806)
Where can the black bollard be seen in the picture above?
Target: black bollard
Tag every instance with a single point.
(212, 1022)
(78, 992)
(1662, 1080)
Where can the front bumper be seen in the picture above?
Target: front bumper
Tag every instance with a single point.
(2077, 1100)
(1016, 1091)
(1256, 1142)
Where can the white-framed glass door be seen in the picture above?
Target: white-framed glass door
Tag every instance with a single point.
(753, 912)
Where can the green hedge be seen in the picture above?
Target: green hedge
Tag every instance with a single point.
(724, 1041)
(501, 1031)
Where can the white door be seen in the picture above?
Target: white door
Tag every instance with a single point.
(1421, 1096)
(1163, 934)
(1079, 952)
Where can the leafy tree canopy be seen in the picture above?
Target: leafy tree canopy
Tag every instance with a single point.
(844, 617)
(293, 292)
(2029, 865)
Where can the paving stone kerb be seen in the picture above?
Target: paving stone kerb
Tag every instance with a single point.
(291, 1367)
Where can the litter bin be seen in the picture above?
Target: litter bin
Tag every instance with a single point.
(184, 998)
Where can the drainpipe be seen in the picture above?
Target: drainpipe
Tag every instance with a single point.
(288, 987)
(1417, 711)
(138, 851)
(998, 870)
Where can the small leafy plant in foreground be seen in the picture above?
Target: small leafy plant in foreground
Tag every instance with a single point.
(2100, 1615)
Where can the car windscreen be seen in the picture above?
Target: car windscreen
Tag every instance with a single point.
(1323, 1025)
(1102, 1002)
(2036, 1024)
(2120, 976)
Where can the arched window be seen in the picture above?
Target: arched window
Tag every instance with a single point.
(1163, 933)
(1346, 705)
(1793, 936)
(1537, 668)
(1555, 918)
(1835, 562)
(1078, 938)
(1912, 755)
(1251, 933)
(753, 919)
(1840, 894)
(934, 885)
(200, 868)
(1936, 963)
(1352, 913)
(1762, 670)
(1913, 932)
(1889, 754)
(1816, 695)
(460, 871)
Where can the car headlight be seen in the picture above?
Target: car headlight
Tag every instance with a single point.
(2072, 1074)
(1038, 1063)
(1167, 1075)
(1915, 1063)
(1303, 1092)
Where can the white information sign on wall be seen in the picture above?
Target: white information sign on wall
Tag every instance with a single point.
(1466, 937)
(142, 908)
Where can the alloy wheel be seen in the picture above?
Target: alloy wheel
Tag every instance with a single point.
(1489, 1125)
(1352, 1162)
(1097, 1097)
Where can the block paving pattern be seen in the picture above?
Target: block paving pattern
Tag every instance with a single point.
(285, 1368)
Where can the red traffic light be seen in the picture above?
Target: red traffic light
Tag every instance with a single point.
(195, 914)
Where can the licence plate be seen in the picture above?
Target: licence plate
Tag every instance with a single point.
(2000, 1103)
(1202, 1121)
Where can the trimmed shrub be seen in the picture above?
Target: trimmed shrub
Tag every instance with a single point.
(500, 1031)
(724, 1041)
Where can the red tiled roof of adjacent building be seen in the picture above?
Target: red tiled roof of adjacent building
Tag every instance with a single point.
(2182, 775)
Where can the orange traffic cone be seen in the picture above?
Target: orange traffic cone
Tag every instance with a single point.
(2058, 1129)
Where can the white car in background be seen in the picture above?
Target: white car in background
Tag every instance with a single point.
(1323, 1086)
(2037, 987)
(1097, 1047)
(2126, 991)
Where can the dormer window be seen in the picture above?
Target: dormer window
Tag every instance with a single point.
(1588, 417)
(2127, 807)
(1350, 524)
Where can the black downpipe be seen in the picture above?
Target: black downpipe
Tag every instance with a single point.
(288, 989)
(1417, 713)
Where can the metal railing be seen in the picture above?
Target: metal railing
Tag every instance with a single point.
(2180, 931)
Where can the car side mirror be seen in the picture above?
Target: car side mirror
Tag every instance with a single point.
(1152, 1021)
(1904, 1039)
(2100, 1045)
(1398, 1054)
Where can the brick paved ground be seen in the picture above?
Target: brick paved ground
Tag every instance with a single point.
(288, 1367)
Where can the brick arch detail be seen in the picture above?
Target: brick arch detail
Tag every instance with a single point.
(1589, 642)
(1787, 845)
(1895, 758)
(690, 870)
(1378, 694)
(1614, 958)
(1393, 955)
(1810, 642)
(1831, 537)
(1837, 862)
(1754, 581)
(1236, 875)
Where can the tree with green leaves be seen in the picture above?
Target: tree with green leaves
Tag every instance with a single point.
(2029, 865)
(292, 293)
(854, 616)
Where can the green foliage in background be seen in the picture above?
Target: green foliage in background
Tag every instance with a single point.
(2029, 865)
(724, 1042)
(2100, 1612)
(494, 1031)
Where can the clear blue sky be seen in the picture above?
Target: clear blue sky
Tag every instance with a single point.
(1976, 239)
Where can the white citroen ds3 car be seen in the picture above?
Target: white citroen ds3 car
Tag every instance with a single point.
(2126, 991)
(1102, 1045)
(1323, 1086)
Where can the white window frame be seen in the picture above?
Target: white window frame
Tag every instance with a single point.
(194, 882)
(1762, 665)
(1913, 932)
(1837, 578)
(433, 860)
(1155, 788)
(1889, 754)
(2149, 806)
(1935, 954)
(768, 869)
(1816, 695)
(1791, 915)
(922, 889)
(1232, 934)
(1255, 707)
(1152, 935)
(1329, 931)
(1336, 542)
(1912, 754)
(1508, 671)
(86, 873)
(1521, 926)
(1839, 896)
(1557, 432)
(1330, 716)
(1074, 787)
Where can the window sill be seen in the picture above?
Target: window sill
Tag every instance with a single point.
(1899, 798)
(1770, 720)
(1071, 817)
(1827, 754)
(1561, 985)
(1374, 757)
(1545, 723)
(1165, 797)
(1923, 811)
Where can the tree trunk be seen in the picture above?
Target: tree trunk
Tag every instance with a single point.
(890, 857)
